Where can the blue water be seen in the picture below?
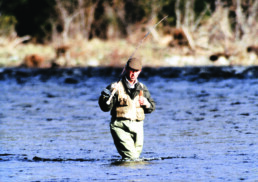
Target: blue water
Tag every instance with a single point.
(202, 130)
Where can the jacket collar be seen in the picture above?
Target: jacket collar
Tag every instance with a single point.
(129, 85)
(137, 85)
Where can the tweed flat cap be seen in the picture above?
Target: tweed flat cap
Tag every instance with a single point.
(134, 63)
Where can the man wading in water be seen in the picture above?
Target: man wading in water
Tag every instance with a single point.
(128, 107)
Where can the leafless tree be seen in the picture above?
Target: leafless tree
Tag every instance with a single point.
(89, 11)
(67, 15)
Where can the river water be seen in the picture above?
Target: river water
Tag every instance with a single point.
(205, 126)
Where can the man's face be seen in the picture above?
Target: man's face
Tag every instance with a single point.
(132, 74)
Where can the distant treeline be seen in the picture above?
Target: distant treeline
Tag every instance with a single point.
(44, 20)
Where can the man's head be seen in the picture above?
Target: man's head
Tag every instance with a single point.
(134, 64)
(133, 69)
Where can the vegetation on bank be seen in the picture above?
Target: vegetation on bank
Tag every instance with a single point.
(105, 33)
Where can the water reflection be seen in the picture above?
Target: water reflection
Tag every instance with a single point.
(132, 164)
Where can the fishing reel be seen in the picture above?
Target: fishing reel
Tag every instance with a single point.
(105, 94)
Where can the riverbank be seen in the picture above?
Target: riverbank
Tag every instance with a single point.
(97, 53)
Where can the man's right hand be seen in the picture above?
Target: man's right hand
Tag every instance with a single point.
(115, 86)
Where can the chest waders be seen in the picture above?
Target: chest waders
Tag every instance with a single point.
(127, 127)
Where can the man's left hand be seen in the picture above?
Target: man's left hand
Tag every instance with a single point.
(144, 102)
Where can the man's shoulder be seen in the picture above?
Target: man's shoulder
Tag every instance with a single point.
(143, 86)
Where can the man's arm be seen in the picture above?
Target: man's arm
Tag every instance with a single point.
(103, 98)
(152, 105)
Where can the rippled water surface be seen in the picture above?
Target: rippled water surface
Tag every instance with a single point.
(202, 130)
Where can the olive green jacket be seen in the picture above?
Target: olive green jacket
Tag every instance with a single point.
(131, 92)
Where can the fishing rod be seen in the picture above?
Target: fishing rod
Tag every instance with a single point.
(137, 47)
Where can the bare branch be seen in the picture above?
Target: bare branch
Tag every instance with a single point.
(178, 14)
(197, 22)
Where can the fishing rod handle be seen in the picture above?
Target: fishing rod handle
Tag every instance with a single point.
(111, 96)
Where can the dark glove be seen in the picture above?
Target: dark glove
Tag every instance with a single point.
(105, 94)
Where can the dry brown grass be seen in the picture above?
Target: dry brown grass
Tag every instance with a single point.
(116, 52)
